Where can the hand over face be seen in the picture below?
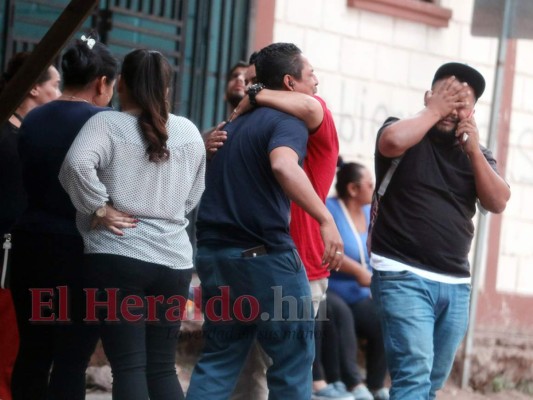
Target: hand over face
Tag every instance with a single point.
(448, 95)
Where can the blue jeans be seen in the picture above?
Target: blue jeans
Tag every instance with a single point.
(265, 297)
(423, 324)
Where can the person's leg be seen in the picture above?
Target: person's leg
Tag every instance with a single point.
(124, 341)
(67, 379)
(343, 321)
(226, 340)
(252, 382)
(9, 342)
(368, 326)
(405, 302)
(76, 340)
(318, 362)
(318, 295)
(329, 351)
(450, 327)
(34, 266)
(286, 328)
(161, 346)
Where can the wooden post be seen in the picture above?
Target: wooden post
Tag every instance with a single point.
(44, 53)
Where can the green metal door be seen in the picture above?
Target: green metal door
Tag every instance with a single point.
(201, 39)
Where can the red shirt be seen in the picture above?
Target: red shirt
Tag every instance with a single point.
(320, 165)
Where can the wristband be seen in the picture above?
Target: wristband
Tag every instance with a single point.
(252, 92)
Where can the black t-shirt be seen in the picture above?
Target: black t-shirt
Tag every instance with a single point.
(243, 204)
(425, 216)
(45, 137)
(12, 194)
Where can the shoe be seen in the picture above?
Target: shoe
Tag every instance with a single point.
(361, 392)
(340, 386)
(381, 394)
(331, 392)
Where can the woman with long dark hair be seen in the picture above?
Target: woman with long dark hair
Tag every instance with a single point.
(47, 248)
(149, 164)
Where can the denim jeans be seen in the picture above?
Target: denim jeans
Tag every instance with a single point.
(141, 353)
(423, 324)
(265, 297)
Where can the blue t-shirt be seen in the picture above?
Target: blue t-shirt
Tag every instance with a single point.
(341, 283)
(243, 204)
(45, 137)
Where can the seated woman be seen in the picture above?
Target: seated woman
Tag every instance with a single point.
(351, 211)
(149, 165)
(336, 353)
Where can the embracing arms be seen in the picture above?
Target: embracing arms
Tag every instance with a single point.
(296, 185)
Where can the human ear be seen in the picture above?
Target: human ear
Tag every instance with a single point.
(427, 95)
(288, 82)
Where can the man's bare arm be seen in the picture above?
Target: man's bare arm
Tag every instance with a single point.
(400, 136)
(299, 105)
(296, 184)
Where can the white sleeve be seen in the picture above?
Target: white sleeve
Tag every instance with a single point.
(90, 151)
(198, 185)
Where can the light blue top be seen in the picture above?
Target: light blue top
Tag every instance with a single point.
(341, 283)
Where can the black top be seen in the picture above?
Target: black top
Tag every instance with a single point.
(425, 216)
(243, 204)
(12, 194)
(45, 137)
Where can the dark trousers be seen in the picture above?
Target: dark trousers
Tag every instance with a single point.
(49, 261)
(336, 343)
(368, 326)
(141, 341)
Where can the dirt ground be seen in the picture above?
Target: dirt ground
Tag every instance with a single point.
(453, 392)
(450, 392)
(497, 362)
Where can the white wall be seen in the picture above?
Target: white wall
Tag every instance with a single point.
(371, 66)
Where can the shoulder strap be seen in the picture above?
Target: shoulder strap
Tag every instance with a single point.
(388, 176)
(355, 233)
(17, 116)
(378, 193)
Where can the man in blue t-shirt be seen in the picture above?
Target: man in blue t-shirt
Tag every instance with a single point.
(253, 281)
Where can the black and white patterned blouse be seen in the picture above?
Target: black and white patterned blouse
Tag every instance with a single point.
(108, 162)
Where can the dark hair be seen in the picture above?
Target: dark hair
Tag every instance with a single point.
(147, 75)
(14, 64)
(240, 64)
(277, 60)
(253, 57)
(81, 64)
(347, 173)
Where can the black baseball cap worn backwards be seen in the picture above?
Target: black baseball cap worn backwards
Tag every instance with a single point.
(463, 73)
